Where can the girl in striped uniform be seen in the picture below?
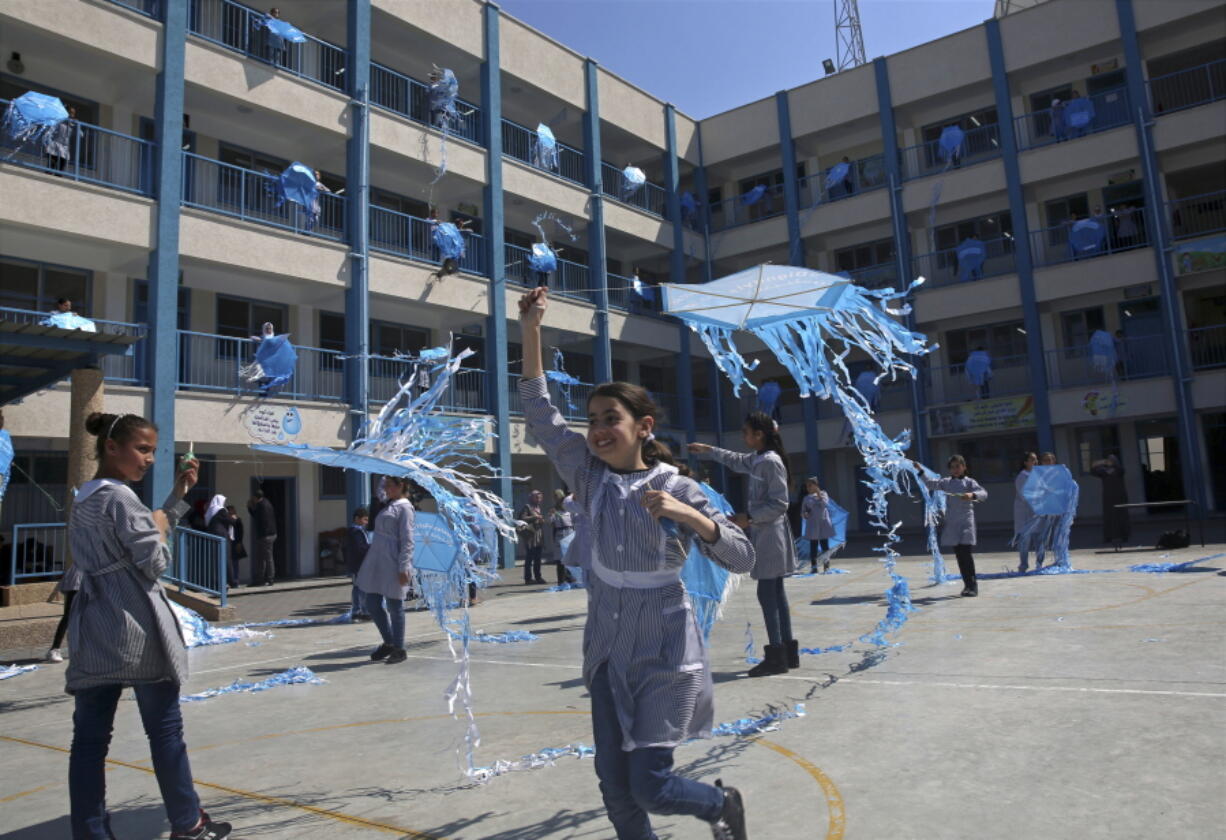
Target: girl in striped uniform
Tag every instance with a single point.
(121, 631)
(644, 658)
(767, 518)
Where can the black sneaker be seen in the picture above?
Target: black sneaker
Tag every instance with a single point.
(381, 652)
(207, 830)
(731, 822)
(397, 655)
(970, 593)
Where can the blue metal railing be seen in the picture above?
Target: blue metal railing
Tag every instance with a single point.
(94, 154)
(199, 562)
(649, 197)
(249, 195)
(733, 212)
(410, 98)
(398, 233)
(980, 144)
(238, 28)
(575, 410)
(39, 551)
(622, 296)
(863, 175)
(949, 383)
(1111, 109)
(1125, 230)
(570, 280)
(1207, 346)
(209, 362)
(1197, 215)
(151, 8)
(1138, 357)
(1188, 88)
(875, 276)
(519, 142)
(942, 268)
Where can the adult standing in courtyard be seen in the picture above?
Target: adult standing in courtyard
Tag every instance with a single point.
(264, 527)
(1117, 526)
(532, 535)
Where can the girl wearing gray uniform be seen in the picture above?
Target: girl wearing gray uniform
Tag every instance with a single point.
(958, 530)
(644, 658)
(123, 633)
(767, 519)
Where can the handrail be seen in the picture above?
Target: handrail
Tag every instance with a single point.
(1111, 109)
(33, 316)
(519, 142)
(979, 144)
(39, 550)
(199, 562)
(1124, 230)
(1197, 215)
(863, 175)
(734, 212)
(408, 97)
(1136, 357)
(1188, 88)
(149, 8)
(570, 280)
(1207, 346)
(944, 268)
(404, 235)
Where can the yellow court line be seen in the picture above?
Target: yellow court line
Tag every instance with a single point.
(24, 793)
(837, 819)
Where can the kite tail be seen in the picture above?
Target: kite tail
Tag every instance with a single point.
(724, 352)
(252, 373)
(22, 131)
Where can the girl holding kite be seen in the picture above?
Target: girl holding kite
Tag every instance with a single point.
(644, 658)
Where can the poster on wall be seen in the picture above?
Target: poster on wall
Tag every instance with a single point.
(273, 423)
(989, 415)
(1102, 403)
(1201, 255)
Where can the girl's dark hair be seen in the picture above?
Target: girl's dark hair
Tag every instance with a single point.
(762, 422)
(639, 403)
(404, 483)
(956, 459)
(117, 427)
(1026, 456)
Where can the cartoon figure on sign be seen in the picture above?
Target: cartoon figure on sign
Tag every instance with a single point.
(291, 424)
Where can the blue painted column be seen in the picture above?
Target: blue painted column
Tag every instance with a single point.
(1037, 358)
(597, 265)
(796, 256)
(704, 209)
(902, 247)
(1192, 464)
(685, 360)
(357, 295)
(164, 259)
(495, 223)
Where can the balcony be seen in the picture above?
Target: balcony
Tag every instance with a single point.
(734, 212)
(874, 276)
(1207, 347)
(252, 196)
(96, 155)
(574, 409)
(1142, 357)
(980, 144)
(238, 28)
(1189, 88)
(649, 198)
(1051, 246)
(860, 176)
(949, 383)
(520, 143)
(944, 268)
(402, 235)
(1197, 215)
(1111, 109)
(410, 98)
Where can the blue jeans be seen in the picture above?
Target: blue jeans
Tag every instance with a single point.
(393, 631)
(774, 602)
(641, 781)
(91, 736)
(358, 605)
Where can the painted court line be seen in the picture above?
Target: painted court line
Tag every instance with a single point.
(995, 687)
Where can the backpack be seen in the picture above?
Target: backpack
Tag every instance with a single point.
(1174, 539)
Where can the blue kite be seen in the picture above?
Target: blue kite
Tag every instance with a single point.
(978, 368)
(1086, 237)
(949, 144)
(278, 32)
(707, 583)
(971, 255)
(768, 396)
(6, 461)
(633, 180)
(69, 321)
(297, 185)
(811, 321)
(542, 258)
(689, 205)
(449, 240)
(866, 385)
(31, 117)
(753, 196)
(1102, 353)
(274, 362)
(1079, 115)
(1052, 494)
(545, 149)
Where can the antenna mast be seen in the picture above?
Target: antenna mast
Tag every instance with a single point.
(849, 40)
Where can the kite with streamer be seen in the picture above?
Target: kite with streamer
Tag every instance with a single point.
(1052, 494)
(566, 383)
(1085, 237)
(442, 99)
(811, 321)
(30, 118)
(633, 180)
(542, 258)
(297, 185)
(978, 368)
(836, 178)
(545, 149)
(971, 255)
(449, 240)
(950, 144)
(69, 321)
(709, 585)
(274, 362)
(1079, 115)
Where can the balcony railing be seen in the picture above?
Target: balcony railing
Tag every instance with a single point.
(575, 410)
(238, 28)
(649, 197)
(943, 268)
(408, 236)
(862, 175)
(950, 384)
(209, 362)
(39, 551)
(249, 195)
(1197, 215)
(1198, 85)
(1138, 357)
(570, 280)
(410, 98)
(979, 144)
(520, 143)
(95, 155)
(875, 276)
(1111, 109)
(1125, 230)
(199, 563)
(1207, 347)
(732, 212)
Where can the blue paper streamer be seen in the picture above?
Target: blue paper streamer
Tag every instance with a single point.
(566, 382)
(294, 676)
(756, 725)
(7, 672)
(1165, 568)
(545, 148)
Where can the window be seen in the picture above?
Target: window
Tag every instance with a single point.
(1063, 210)
(621, 370)
(1077, 326)
(37, 286)
(470, 342)
(1095, 443)
(390, 339)
(772, 202)
(1002, 341)
(996, 458)
(1161, 467)
(332, 331)
(241, 318)
(519, 240)
(869, 255)
(981, 136)
(331, 482)
(399, 203)
(984, 228)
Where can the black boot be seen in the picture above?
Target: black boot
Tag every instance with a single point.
(773, 662)
(792, 653)
(730, 825)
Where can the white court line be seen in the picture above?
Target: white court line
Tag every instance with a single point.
(298, 655)
(1087, 690)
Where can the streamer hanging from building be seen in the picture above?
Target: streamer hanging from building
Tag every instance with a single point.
(708, 583)
(30, 118)
(566, 382)
(442, 98)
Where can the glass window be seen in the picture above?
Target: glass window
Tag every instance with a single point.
(1067, 209)
(240, 318)
(1161, 473)
(470, 342)
(390, 339)
(1077, 326)
(332, 331)
(37, 286)
(865, 256)
(985, 228)
(996, 458)
(331, 482)
(1000, 340)
(1095, 443)
(19, 286)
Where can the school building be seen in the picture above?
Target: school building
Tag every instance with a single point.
(162, 221)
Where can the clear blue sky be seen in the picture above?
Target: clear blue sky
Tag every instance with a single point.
(707, 56)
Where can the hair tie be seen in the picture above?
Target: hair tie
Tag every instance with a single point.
(650, 437)
(775, 423)
(114, 423)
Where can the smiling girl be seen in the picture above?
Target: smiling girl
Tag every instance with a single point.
(644, 658)
(122, 632)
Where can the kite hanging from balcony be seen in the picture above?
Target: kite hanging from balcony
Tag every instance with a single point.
(971, 255)
(753, 196)
(1085, 237)
(1102, 354)
(979, 369)
(298, 185)
(448, 238)
(274, 362)
(811, 321)
(566, 382)
(278, 32)
(30, 118)
(442, 99)
(1079, 115)
(545, 148)
(950, 144)
(633, 180)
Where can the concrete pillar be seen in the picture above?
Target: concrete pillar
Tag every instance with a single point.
(87, 397)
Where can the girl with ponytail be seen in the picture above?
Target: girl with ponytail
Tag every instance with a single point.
(644, 658)
(766, 464)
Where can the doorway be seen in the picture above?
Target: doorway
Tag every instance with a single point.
(1161, 471)
(1144, 350)
(282, 493)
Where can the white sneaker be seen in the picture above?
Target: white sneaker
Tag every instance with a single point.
(54, 655)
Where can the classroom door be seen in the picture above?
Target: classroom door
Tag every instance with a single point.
(282, 493)
(1144, 351)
